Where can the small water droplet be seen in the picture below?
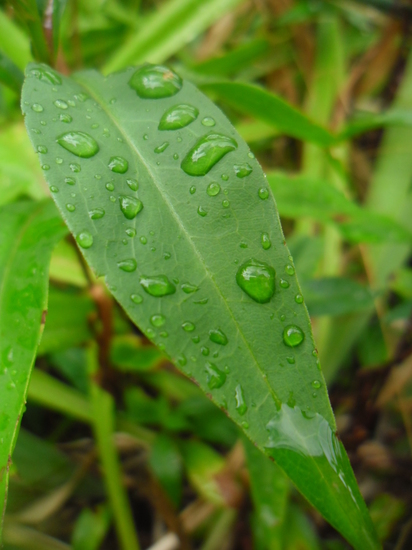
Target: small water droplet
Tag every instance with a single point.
(218, 337)
(161, 147)
(74, 167)
(225, 177)
(136, 298)
(59, 160)
(242, 170)
(195, 339)
(215, 377)
(245, 425)
(182, 360)
(316, 384)
(188, 326)
(96, 213)
(145, 137)
(284, 284)
(155, 82)
(251, 155)
(290, 359)
(202, 302)
(128, 265)
(130, 206)
(37, 108)
(60, 104)
(112, 198)
(265, 240)
(46, 75)
(243, 245)
(54, 189)
(225, 203)
(109, 186)
(133, 184)
(177, 117)
(208, 121)
(293, 336)
(263, 193)
(213, 189)
(70, 207)
(157, 320)
(118, 165)
(175, 156)
(65, 117)
(84, 239)
(257, 280)
(201, 211)
(204, 351)
(71, 103)
(42, 149)
(289, 270)
(94, 126)
(130, 232)
(206, 153)
(241, 406)
(81, 97)
(157, 285)
(79, 144)
(192, 190)
(299, 298)
(143, 240)
(70, 181)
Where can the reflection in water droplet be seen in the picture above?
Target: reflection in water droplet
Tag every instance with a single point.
(284, 284)
(242, 170)
(118, 165)
(192, 190)
(289, 270)
(157, 285)
(218, 337)
(266, 244)
(299, 298)
(215, 377)
(70, 181)
(42, 149)
(257, 280)
(204, 351)
(143, 240)
(64, 117)
(131, 232)
(196, 339)
(61, 104)
(128, 265)
(177, 117)
(133, 184)
(161, 147)
(136, 298)
(206, 153)
(225, 203)
(263, 193)
(208, 121)
(213, 189)
(78, 143)
(37, 108)
(46, 75)
(130, 206)
(70, 207)
(84, 239)
(54, 189)
(157, 320)
(109, 186)
(74, 167)
(201, 211)
(293, 336)
(188, 288)
(316, 384)
(241, 406)
(155, 82)
(188, 326)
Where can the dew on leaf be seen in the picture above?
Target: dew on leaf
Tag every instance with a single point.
(61, 104)
(202, 302)
(225, 203)
(215, 377)
(109, 186)
(257, 280)
(293, 336)
(118, 165)
(136, 298)
(263, 193)
(218, 337)
(299, 298)
(188, 326)
(128, 265)
(157, 285)
(167, 255)
(157, 320)
(201, 211)
(208, 121)
(74, 167)
(79, 144)
(130, 232)
(96, 213)
(70, 207)
(182, 360)
(289, 269)
(242, 170)
(133, 184)
(84, 239)
(192, 190)
(65, 117)
(284, 284)
(46, 75)
(155, 82)
(188, 288)
(130, 206)
(161, 147)
(54, 189)
(70, 181)
(316, 384)
(265, 240)
(213, 189)
(59, 160)
(251, 155)
(224, 177)
(143, 240)
(177, 117)
(204, 351)
(206, 153)
(290, 359)
(37, 108)
(241, 406)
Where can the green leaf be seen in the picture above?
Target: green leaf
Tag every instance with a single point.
(166, 463)
(10, 74)
(30, 16)
(29, 232)
(272, 109)
(198, 262)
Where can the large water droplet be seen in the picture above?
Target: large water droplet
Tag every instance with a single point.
(96, 213)
(130, 206)
(84, 239)
(218, 337)
(118, 165)
(157, 285)
(46, 75)
(265, 239)
(178, 117)
(188, 326)
(242, 170)
(158, 320)
(155, 82)
(128, 265)
(78, 143)
(257, 279)
(293, 336)
(241, 406)
(206, 153)
(215, 377)
(213, 189)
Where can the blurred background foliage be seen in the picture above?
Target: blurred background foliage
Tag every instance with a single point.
(322, 92)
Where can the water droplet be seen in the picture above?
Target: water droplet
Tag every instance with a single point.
(118, 165)
(175, 156)
(245, 425)
(208, 121)
(218, 337)
(284, 284)
(188, 326)
(225, 203)
(251, 155)
(293, 336)
(243, 245)
(206, 153)
(133, 184)
(177, 117)
(64, 117)
(241, 406)
(225, 177)
(60, 104)
(70, 181)
(145, 137)
(188, 288)
(157, 285)
(204, 351)
(201, 211)
(45, 167)
(84, 239)
(192, 190)
(155, 82)
(130, 206)
(299, 298)
(215, 377)
(130, 232)
(70, 207)
(195, 339)
(182, 360)
(290, 359)
(42, 149)
(289, 270)
(81, 96)
(79, 143)
(143, 240)
(96, 213)
(213, 189)
(136, 298)
(46, 75)
(161, 147)
(71, 103)
(163, 334)
(94, 126)
(128, 265)
(157, 320)
(37, 108)
(266, 244)
(54, 189)
(257, 279)
(74, 167)
(202, 302)
(263, 193)
(316, 384)
(242, 170)
(109, 186)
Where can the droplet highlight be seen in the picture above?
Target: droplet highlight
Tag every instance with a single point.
(130, 206)
(293, 336)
